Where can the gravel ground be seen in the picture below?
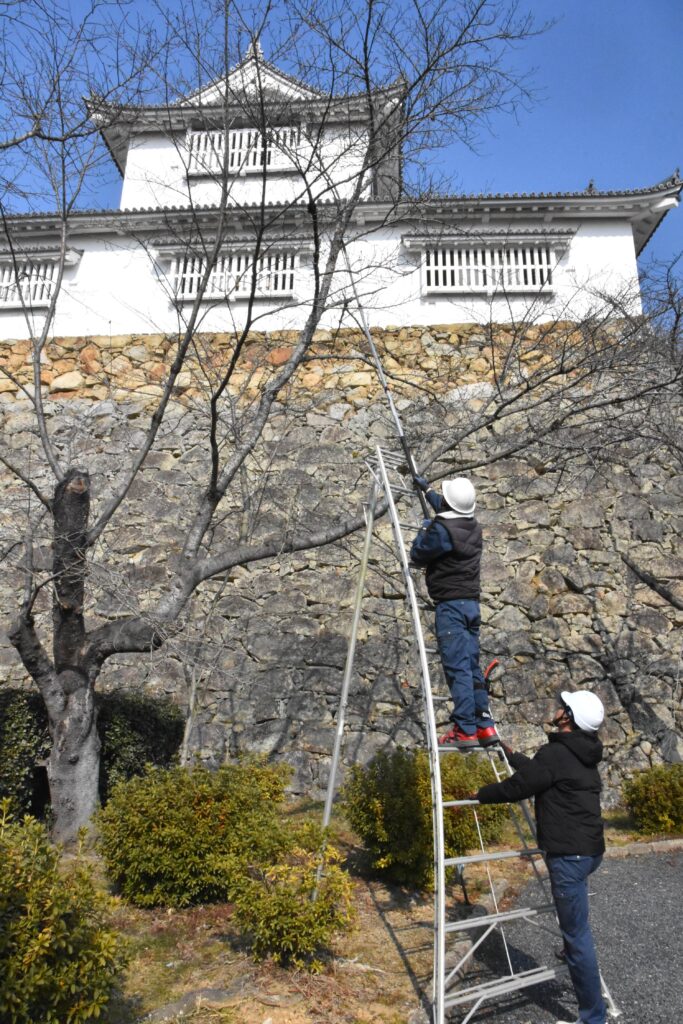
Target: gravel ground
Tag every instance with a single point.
(636, 918)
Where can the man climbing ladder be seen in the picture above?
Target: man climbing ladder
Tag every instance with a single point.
(449, 548)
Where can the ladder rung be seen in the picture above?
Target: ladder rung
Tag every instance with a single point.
(482, 858)
(450, 748)
(460, 803)
(396, 489)
(500, 986)
(505, 915)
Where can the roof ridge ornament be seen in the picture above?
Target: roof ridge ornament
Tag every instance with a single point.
(254, 50)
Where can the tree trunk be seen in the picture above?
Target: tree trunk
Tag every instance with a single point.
(67, 683)
(74, 764)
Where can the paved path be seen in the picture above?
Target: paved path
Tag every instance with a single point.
(637, 915)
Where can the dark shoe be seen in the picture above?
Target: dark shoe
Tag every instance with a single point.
(487, 735)
(459, 740)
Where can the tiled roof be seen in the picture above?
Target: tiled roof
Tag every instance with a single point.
(674, 183)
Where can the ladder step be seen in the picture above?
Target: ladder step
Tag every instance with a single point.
(460, 803)
(482, 858)
(506, 915)
(510, 983)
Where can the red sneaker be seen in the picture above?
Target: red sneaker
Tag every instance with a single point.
(487, 736)
(459, 740)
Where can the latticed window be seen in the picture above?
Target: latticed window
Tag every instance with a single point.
(249, 150)
(485, 269)
(232, 276)
(27, 283)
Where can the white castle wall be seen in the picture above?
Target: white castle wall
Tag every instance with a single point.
(156, 174)
(120, 286)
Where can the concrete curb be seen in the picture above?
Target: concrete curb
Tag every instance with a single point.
(656, 846)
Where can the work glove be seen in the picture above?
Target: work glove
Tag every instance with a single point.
(426, 523)
(421, 483)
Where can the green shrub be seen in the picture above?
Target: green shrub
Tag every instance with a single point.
(178, 836)
(389, 805)
(655, 799)
(24, 741)
(58, 961)
(135, 730)
(275, 904)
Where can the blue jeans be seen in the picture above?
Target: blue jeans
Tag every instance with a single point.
(457, 633)
(569, 882)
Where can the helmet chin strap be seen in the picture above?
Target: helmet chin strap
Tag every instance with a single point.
(561, 721)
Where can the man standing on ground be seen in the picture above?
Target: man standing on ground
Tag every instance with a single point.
(563, 776)
(449, 549)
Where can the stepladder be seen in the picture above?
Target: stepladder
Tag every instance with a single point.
(459, 988)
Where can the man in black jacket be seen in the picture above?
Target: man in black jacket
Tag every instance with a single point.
(563, 777)
(449, 549)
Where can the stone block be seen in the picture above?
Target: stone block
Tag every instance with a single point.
(570, 604)
(586, 514)
(647, 530)
(630, 506)
(509, 619)
(559, 554)
(66, 382)
(519, 594)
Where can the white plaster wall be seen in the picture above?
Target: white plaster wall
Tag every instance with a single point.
(600, 262)
(118, 288)
(156, 174)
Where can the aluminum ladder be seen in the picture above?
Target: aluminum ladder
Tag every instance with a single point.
(389, 487)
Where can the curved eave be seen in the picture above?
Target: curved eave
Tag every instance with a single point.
(644, 209)
(118, 126)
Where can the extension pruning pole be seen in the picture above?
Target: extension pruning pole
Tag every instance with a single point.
(385, 387)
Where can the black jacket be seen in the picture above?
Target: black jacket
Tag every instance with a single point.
(564, 778)
(456, 574)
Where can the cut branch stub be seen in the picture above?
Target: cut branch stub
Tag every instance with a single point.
(71, 510)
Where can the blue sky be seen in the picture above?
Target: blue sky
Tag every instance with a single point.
(610, 79)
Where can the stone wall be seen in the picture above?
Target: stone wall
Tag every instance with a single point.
(261, 654)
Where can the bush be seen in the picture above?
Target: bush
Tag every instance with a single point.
(58, 961)
(655, 799)
(178, 836)
(275, 905)
(135, 731)
(24, 741)
(389, 805)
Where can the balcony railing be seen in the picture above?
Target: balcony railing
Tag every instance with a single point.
(486, 269)
(248, 151)
(232, 276)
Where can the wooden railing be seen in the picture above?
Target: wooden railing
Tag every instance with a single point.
(248, 150)
(232, 276)
(485, 269)
(27, 283)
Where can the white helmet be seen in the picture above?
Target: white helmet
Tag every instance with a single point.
(460, 495)
(586, 708)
